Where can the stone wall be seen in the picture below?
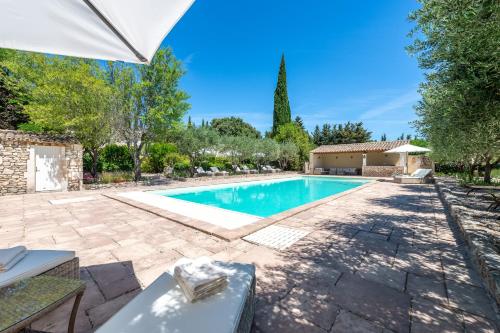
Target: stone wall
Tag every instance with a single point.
(13, 167)
(479, 227)
(17, 169)
(381, 171)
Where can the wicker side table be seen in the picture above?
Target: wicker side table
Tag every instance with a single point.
(28, 300)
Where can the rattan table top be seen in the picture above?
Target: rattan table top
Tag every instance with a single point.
(27, 300)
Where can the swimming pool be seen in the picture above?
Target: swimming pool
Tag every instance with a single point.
(264, 198)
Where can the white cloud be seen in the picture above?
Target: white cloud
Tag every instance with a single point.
(405, 100)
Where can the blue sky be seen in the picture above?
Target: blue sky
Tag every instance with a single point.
(346, 60)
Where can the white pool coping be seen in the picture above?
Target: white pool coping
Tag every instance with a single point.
(220, 217)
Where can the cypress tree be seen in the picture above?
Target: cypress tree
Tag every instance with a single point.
(282, 113)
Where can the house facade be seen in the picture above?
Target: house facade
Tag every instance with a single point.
(366, 159)
(39, 163)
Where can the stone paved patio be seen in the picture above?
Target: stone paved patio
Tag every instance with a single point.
(382, 259)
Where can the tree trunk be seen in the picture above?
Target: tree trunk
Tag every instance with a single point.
(137, 165)
(95, 158)
(487, 171)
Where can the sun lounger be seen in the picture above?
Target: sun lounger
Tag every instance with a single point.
(244, 167)
(42, 262)
(273, 169)
(239, 171)
(420, 176)
(265, 169)
(162, 307)
(217, 172)
(200, 172)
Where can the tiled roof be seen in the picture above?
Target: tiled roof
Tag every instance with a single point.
(360, 147)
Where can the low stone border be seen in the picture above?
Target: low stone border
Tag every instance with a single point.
(480, 230)
(227, 234)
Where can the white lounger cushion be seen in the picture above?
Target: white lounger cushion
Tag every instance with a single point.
(34, 263)
(419, 173)
(162, 307)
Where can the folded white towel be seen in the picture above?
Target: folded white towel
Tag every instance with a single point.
(10, 257)
(199, 278)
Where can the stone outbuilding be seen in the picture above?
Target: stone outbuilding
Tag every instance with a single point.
(39, 162)
(367, 159)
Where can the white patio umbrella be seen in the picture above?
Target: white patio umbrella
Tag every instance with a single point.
(125, 30)
(404, 150)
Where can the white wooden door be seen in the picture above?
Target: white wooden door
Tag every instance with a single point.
(50, 168)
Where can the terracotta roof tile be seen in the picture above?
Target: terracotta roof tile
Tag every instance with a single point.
(360, 147)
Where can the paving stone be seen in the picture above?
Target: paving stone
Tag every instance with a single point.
(374, 301)
(113, 279)
(272, 319)
(419, 264)
(432, 289)
(429, 317)
(382, 273)
(348, 322)
(317, 308)
(477, 324)
(101, 313)
(469, 298)
(462, 274)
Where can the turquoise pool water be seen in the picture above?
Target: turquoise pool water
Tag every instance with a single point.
(265, 198)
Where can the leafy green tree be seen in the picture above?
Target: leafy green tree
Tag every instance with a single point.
(150, 103)
(317, 136)
(13, 96)
(234, 126)
(282, 114)
(326, 135)
(288, 155)
(197, 143)
(298, 120)
(383, 137)
(68, 95)
(292, 133)
(456, 43)
(155, 154)
(267, 151)
(341, 133)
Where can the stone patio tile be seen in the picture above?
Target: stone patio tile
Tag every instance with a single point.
(373, 301)
(414, 262)
(158, 259)
(382, 273)
(136, 251)
(317, 308)
(273, 319)
(429, 317)
(113, 279)
(462, 274)
(192, 251)
(348, 322)
(478, 324)
(470, 299)
(92, 295)
(432, 289)
(101, 313)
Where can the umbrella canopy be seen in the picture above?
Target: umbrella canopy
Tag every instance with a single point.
(408, 149)
(126, 30)
(404, 150)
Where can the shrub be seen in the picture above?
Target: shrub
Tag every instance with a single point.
(156, 152)
(223, 163)
(116, 158)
